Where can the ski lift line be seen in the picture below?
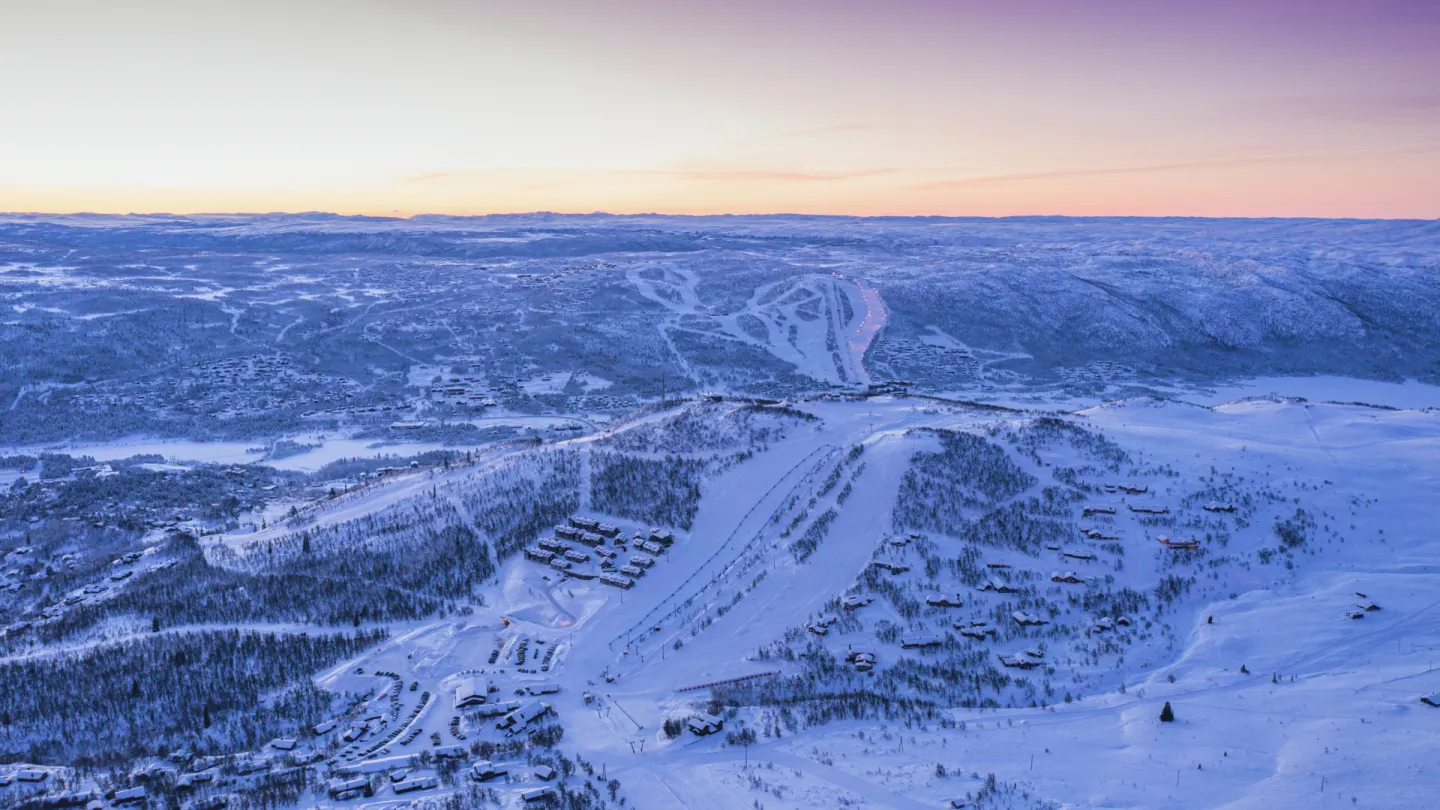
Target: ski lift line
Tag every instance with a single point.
(648, 618)
(726, 681)
(740, 556)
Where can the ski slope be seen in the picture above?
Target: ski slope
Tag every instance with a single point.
(1342, 708)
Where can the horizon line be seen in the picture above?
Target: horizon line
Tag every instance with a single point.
(775, 214)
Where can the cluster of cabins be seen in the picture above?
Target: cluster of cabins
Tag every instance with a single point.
(604, 541)
(1365, 605)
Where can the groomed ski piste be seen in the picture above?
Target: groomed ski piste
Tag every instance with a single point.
(1326, 713)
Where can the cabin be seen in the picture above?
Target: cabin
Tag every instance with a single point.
(1019, 662)
(560, 564)
(471, 692)
(133, 795)
(920, 641)
(632, 571)
(863, 661)
(1355, 614)
(1432, 699)
(524, 715)
(664, 537)
(938, 600)
(283, 744)
(1219, 507)
(1091, 511)
(485, 770)
(535, 689)
(539, 555)
(423, 783)
(642, 560)
(606, 530)
(1192, 543)
(855, 602)
(568, 533)
(976, 629)
(450, 752)
(1133, 490)
(588, 539)
(703, 725)
(617, 582)
(606, 552)
(997, 566)
(341, 789)
(497, 708)
(893, 568)
(1078, 554)
(1096, 534)
(1104, 624)
(817, 629)
(1028, 619)
(544, 773)
(552, 544)
(1069, 577)
(1150, 510)
(999, 587)
(536, 794)
(651, 547)
(1367, 606)
(584, 523)
(1123, 621)
(378, 766)
(577, 556)
(32, 775)
(245, 767)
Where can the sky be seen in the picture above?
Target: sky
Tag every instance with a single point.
(1324, 108)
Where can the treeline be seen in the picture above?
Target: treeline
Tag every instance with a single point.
(968, 473)
(709, 429)
(197, 592)
(660, 491)
(208, 691)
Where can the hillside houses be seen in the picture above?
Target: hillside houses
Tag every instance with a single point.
(862, 660)
(920, 641)
(975, 629)
(1019, 662)
(998, 586)
(703, 725)
(1028, 619)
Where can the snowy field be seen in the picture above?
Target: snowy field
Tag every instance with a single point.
(884, 542)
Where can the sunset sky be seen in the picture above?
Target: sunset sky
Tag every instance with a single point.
(1217, 108)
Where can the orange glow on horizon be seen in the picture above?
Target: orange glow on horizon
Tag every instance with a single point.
(914, 108)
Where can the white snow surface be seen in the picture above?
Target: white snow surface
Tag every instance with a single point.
(1343, 709)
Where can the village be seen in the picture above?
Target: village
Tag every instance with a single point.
(607, 649)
